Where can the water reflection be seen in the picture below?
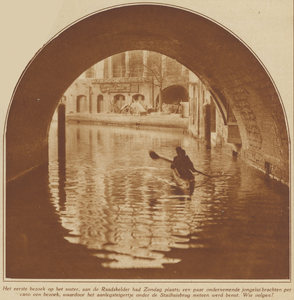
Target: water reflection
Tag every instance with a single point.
(124, 206)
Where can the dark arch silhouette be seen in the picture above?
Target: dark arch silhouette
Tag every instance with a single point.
(175, 93)
(99, 103)
(222, 62)
(136, 97)
(119, 100)
(119, 96)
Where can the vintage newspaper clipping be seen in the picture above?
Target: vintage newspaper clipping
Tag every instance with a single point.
(97, 99)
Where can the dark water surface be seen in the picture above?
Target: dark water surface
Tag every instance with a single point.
(110, 211)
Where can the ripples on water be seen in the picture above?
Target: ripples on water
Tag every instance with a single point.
(114, 199)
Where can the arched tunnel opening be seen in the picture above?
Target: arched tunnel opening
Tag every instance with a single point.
(232, 73)
(239, 87)
(174, 95)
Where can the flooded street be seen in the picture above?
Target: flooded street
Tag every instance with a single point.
(110, 211)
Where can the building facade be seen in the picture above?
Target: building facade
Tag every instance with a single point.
(211, 119)
(142, 77)
(134, 76)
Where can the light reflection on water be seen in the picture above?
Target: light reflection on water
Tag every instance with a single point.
(117, 201)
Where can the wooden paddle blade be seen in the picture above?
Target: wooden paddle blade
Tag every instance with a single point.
(153, 155)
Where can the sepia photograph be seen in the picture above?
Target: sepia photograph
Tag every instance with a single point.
(147, 151)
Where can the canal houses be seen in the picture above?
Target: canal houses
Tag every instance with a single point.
(142, 77)
(154, 83)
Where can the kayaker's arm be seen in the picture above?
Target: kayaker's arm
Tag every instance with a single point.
(173, 164)
(193, 169)
(189, 164)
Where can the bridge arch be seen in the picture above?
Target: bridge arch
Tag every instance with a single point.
(222, 62)
(175, 94)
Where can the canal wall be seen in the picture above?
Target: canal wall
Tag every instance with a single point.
(155, 120)
(227, 136)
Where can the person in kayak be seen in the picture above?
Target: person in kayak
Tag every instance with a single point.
(176, 158)
(183, 164)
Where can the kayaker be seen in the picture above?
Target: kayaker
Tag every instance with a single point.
(183, 164)
(176, 158)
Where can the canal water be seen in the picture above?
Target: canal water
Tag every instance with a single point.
(110, 211)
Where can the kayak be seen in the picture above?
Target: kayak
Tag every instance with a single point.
(184, 183)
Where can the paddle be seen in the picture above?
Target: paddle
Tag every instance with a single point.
(154, 155)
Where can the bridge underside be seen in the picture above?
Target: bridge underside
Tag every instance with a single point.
(220, 60)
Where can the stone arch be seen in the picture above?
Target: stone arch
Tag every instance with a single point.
(138, 97)
(221, 61)
(119, 100)
(175, 93)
